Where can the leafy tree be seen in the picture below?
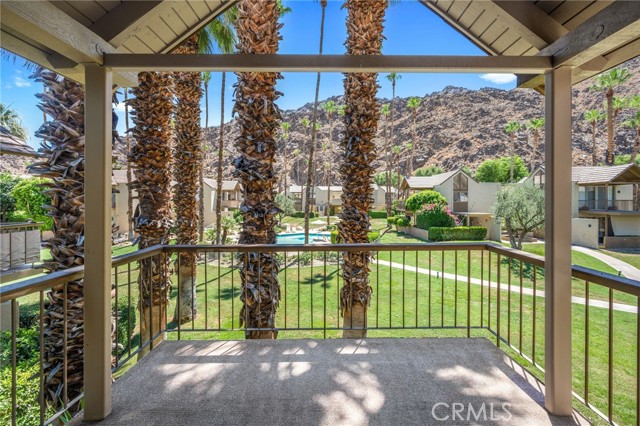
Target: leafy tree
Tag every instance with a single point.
(381, 178)
(10, 119)
(498, 170)
(593, 117)
(437, 215)
(606, 83)
(7, 200)
(511, 128)
(534, 125)
(228, 224)
(285, 128)
(428, 171)
(521, 207)
(417, 201)
(285, 204)
(30, 200)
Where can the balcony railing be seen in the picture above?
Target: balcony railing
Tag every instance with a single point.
(418, 290)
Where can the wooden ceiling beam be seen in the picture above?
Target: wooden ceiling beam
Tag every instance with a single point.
(328, 63)
(121, 18)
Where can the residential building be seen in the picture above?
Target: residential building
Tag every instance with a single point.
(231, 198)
(465, 196)
(120, 201)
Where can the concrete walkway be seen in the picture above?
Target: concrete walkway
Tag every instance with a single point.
(515, 288)
(329, 382)
(627, 270)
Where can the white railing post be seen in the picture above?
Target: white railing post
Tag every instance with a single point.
(558, 241)
(97, 279)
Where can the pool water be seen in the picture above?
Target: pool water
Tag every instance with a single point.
(298, 238)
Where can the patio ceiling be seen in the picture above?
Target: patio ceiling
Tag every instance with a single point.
(591, 36)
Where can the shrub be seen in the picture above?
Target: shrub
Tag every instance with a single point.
(435, 215)
(27, 347)
(126, 326)
(417, 201)
(469, 233)
(30, 198)
(210, 234)
(300, 215)
(403, 221)
(377, 215)
(392, 220)
(335, 237)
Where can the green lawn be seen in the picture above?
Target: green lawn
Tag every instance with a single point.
(632, 258)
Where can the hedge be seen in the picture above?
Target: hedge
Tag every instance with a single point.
(392, 220)
(468, 233)
(373, 235)
(377, 215)
(300, 215)
(403, 221)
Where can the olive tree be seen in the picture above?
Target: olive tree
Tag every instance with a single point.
(521, 208)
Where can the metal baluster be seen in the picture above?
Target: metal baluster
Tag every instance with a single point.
(65, 343)
(285, 290)
(416, 273)
(520, 314)
(404, 267)
(298, 260)
(206, 291)
(442, 293)
(489, 295)
(469, 293)
(117, 317)
(481, 287)
(610, 363)
(219, 295)
(429, 291)
(498, 303)
(455, 288)
(586, 343)
(178, 299)
(509, 302)
(129, 310)
(324, 325)
(41, 360)
(533, 343)
(14, 360)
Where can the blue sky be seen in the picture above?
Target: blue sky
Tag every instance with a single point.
(410, 29)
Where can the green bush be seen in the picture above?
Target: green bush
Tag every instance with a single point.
(468, 233)
(417, 201)
(403, 221)
(335, 238)
(126, 326)
(27, 346)
(392, 220)
(27, 390)
(435, 215)
(377, 215)
(300, 215)
(30, 199)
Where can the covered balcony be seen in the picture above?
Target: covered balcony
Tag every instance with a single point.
(507, 321)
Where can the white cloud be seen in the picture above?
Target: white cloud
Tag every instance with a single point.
(119, 107)
(499, 78)
(21, 82)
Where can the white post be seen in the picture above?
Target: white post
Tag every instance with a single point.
(97, 246)
(558, 241)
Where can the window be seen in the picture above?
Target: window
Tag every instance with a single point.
(460, 193)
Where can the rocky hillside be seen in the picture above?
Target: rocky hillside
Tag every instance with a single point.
(456, 127)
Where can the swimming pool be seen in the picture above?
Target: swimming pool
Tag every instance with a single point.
(298, 238)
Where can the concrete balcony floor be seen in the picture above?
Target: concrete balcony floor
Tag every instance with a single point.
(329, 382)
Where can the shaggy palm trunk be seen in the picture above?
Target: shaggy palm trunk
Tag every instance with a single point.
(129, 172)
(151, 161)
(610, 135)
(258, 118)
(594, 151)
(364, 37)
(512, 138)
(414, 132)
(202, 165)
(187, 166)
(220, 155)
(63, 146)
(534, 153)
(387, 195)
(312, 147)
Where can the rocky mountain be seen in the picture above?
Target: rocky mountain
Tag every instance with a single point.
(456, 127)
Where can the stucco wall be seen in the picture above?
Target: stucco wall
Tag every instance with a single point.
(574, 200)
(482, 196)
(120, 212)
(446, 189)
(624, 192)
(626, 226)
(584, 232)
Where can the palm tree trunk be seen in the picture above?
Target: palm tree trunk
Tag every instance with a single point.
(63, 147)
(312, 148)
(187, 168)
(513, 156)
(413, 145)
(202, 164)
(258, 33)
(610, 136)
(387, 195)
(129, 176)
(364, 37)
(534, 153)
(594, 152)
(151, 161)
(220, 158)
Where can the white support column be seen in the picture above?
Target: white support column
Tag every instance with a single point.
(97, 246)
(558, 241)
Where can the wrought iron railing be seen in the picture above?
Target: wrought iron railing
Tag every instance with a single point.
(418, 290)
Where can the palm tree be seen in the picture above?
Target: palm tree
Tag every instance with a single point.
(63, 146)
(187, 154)
(151, 159)
(385, 111)
(129, 171)
(511, 128)
(535, 124)
(10, 120)
(258, 33)
(365, 20)
(312, 146)
(206, 78)
(606, 83)
(593, 117)
(285, 127)
(393, 78)
(330, 110)
(413, 104)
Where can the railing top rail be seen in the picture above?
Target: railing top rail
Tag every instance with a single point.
(294, 248)
(42, 282)
(531, 258)
(124, 259)
(4, 226)
(626, 285)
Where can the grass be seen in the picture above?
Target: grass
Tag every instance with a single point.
(632, 257)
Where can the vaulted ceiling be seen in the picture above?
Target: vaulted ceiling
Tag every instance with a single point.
(590, 36)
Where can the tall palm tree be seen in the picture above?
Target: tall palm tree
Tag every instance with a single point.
(63, 146)
(365, 20)
(330, 110)
(413, 103)
(206, 78)
(511, 129)
(593, 117)
(187, 154)
(314, 121)
(129, 171)
(393, 77)
(10, 119)
(151, 159)
(385, 111)
(257, 28)
(606, 83)
(285, 127)
(535, 124)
